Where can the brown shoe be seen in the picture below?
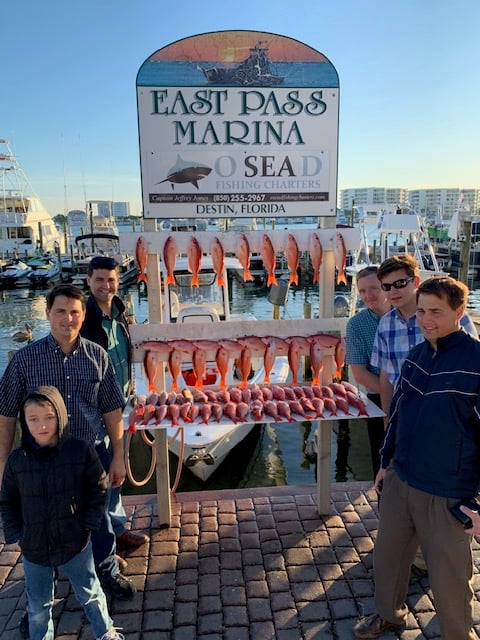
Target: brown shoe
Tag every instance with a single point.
(130, 539)
(122, 563)
(373, 626)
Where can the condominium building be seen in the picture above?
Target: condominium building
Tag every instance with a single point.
(439, 204)
(371, 195)
(434, 204)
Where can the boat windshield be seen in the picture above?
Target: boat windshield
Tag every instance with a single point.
(207, 294)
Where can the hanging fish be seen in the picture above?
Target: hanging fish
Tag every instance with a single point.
(150, 365)
(269, 359)
(294, 356)
(340, 253)
(199, 361)
(245, 366)
(175, 367)
(243, 255)
(292, 254)
(316, 256)
(170, 258)
(141, 258)
(268, 257)
(316, 361)
(340, 351)
(218, 260)
(194, 257)
(222, 359)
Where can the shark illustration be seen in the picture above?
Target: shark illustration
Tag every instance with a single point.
(183, 171)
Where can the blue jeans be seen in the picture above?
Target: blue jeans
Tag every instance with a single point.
(103, 540)
(39, 582)
(116, 511)
(115, 506)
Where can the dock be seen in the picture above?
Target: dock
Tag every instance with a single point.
(240, 565)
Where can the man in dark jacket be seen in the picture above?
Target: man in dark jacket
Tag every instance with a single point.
(106, 323)
(52, 498)
(430, 462)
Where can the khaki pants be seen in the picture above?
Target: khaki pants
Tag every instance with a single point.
(409, 517)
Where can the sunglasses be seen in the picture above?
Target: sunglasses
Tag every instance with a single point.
(398, 284)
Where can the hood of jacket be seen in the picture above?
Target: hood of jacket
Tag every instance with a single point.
(53, 396)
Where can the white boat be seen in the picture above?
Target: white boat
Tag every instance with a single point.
(15, 274)
(25, 225)
(205, 447)
(392, 232)
(104, 244)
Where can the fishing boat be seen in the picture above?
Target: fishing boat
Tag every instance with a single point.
(255, 70)
(205, 446)
(25, 225)
(89, 245)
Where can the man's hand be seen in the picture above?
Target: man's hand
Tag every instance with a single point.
(117, 472)
(475, 518)
(379, 480)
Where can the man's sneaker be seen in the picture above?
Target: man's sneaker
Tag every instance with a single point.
(23, 626)
(112, 634)
(118, 586)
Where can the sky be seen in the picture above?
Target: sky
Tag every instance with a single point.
(408, 70)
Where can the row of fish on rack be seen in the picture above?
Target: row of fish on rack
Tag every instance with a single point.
(243, 253)
(198, 352)
(276, 403)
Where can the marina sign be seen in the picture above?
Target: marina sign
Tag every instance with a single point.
(238, 124)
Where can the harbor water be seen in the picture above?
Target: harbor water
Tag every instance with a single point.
(280, 454)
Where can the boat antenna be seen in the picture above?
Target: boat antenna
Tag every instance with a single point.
(65, 195)
(83, 172)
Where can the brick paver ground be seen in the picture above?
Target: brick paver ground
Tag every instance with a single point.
(256, 564)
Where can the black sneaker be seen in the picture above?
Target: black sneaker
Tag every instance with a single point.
(23, 626)
(118, 586)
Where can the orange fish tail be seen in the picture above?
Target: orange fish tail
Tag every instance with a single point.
(199, 384)
(132, 428)
(174, 386)
(221, 281)
(170, 279)
(316, 277)
(243, 385)
(151, 388)
(247, 275)
(223, 383)
(272, 280)
(293, 278)
(294, 379)
(266, 379)
(195, 282)
(341, 278)
(315, 381)
(142, 278)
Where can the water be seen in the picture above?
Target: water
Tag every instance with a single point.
(271, 455)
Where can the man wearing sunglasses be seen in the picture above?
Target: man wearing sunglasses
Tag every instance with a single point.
(106, 323)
